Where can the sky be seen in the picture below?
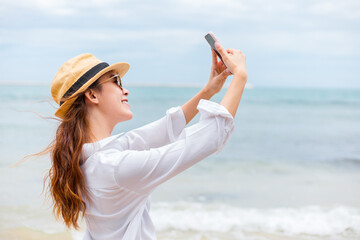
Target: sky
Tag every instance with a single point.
(298, 43)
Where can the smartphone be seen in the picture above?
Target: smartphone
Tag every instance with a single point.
(210, 38)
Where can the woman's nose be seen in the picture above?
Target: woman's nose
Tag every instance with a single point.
(125, 91)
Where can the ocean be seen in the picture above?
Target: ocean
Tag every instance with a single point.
(291, 170)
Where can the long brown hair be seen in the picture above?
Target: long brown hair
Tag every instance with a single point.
(66, 184)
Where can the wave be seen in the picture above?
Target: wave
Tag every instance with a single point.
(193, 220)
(350, 162)
(316, 221)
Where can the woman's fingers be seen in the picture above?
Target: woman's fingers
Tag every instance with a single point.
(231, 50)
(221, 51)
(214, 57)
(217, 64)
(233, 58)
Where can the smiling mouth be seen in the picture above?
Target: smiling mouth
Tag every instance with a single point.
(125, 102)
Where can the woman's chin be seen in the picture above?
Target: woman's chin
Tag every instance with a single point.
(128, 116)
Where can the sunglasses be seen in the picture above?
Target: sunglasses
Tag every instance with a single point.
(117, 80)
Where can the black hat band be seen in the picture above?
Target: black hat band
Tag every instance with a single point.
(83, 79)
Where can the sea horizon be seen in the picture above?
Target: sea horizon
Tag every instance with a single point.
(248, 85)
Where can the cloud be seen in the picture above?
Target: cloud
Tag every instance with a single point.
(61, 7)
(174, 30)
(296, 26)
(348, 10)
(166, 40)
(215, 10)
(320, 43)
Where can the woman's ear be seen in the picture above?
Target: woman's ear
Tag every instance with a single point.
(91, 96)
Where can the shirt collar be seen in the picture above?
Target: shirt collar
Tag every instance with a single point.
(91, 148)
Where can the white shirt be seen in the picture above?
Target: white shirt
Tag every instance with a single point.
(121, 171)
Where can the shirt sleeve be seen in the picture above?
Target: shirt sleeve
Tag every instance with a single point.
(157, 133)
(142, 171)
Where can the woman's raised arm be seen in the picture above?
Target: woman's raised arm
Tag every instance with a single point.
(218, 75)
(236, 62)
(189, 108)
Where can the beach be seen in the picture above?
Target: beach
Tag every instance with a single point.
(289, 171)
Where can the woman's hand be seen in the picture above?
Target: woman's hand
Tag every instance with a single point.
(234, 59)
(218, 75)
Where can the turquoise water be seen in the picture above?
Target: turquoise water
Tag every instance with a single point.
(271, 124)
(294, 155)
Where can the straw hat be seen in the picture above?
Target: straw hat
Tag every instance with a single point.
(76, 75)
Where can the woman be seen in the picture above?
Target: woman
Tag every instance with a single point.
(109, 179)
